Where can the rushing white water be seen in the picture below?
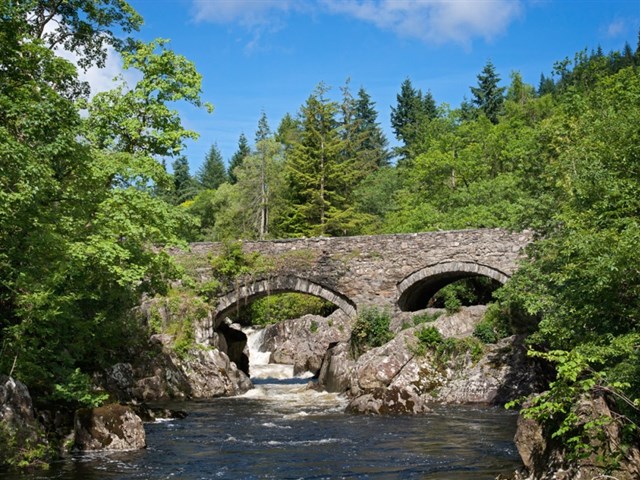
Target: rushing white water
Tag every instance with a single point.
(259, 366)
(276, 383)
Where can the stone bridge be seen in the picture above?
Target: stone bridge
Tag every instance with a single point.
(399, 272)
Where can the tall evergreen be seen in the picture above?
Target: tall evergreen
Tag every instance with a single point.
(264, 131)
(238, 157)
(288, 132)
(413, 110)
(374, 143)
(212, 174)
(185, 186)
(406, 110)
(315, 172)
(488, 96)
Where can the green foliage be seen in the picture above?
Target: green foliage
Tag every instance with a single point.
(212, 174)
(79, 391)
(233, 262)
(445, 349)
(282, 306)
(497, 323)
(429, 336)
(19, 448)
(426, 317)
(78, 205)
(370, 330)
(313, 328)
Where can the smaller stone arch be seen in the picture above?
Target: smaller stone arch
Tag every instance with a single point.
(280, 284)
(425, 283)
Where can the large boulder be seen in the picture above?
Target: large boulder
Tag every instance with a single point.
(337, 368)
(548, 458)
(161, 374)
(22, 439)
(303, 342)
(403, 376)
(111, 427)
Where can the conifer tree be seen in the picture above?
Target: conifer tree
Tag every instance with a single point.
(185, 186)
(288, 132)
(238, 158)
(374, 143)
(488, 96)
(315, 172)
(212, 174)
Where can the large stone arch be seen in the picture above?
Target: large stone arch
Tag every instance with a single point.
(424, 283)
(261, 288)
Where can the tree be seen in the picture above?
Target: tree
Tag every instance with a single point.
(263, 151)
(238, 157)
(413, 111)
(288, 132)
(488, 96)
(139, 119)
(76, 221)
(185, 186)
(212, 173)
(315, 172)
(83, 27)
(263, 132)
(374, 142)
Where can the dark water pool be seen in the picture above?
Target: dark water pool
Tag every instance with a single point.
(288, 432)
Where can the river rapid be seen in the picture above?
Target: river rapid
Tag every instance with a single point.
(282, 429)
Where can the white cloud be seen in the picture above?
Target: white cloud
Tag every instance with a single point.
(434, 21)
(249, 13)
(102, 79)
(616, 28)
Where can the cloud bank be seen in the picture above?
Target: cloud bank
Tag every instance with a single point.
(431, 21)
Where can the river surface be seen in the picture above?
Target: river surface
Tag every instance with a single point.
(284, 430)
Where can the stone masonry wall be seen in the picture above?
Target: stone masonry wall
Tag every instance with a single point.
(355, 272)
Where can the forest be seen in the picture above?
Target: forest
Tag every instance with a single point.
(86, 196)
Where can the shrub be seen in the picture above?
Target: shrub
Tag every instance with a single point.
(370, 330)
(429, 336)
(426, 317)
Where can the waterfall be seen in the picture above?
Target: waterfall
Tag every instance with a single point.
(259, 366)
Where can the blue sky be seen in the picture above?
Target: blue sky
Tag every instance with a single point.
(268, 55)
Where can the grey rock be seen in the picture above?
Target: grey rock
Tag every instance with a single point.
(303, 342)
(19, 428)
(111, 427)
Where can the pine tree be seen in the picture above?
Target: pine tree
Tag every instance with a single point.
(314, 171)
(288, 132)
(488, 96)
(406, 111)
(413, 111)
(263, 131)
(546, 85)
(263, 134)
(185, 186)
(212, 174)
(374, 143)
(236, 160)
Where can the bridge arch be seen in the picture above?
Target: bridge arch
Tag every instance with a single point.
(416, 289)
(281, 284)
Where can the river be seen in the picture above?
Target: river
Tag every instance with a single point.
(284, 430)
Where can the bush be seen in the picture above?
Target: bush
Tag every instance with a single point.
(494, 326)
(426, 317)
(370, 330)
(429, 336)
